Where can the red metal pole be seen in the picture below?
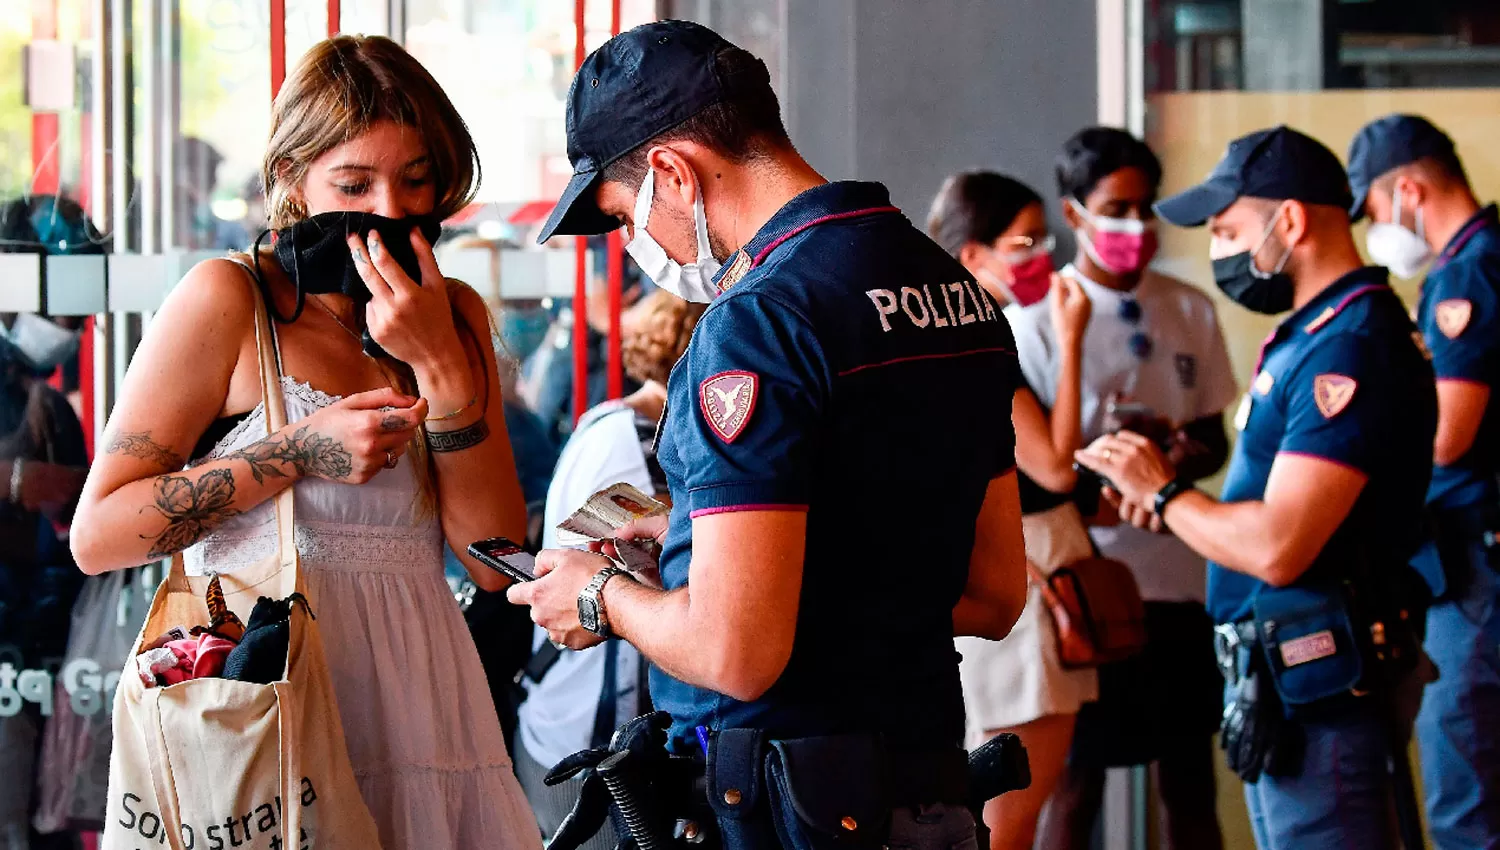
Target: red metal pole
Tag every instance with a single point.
(616, 267)
(46, 173)
(335, 18)
(278, 45)
(580, 280)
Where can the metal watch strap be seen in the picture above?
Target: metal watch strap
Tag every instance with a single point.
(593, 592)
(1166, 494)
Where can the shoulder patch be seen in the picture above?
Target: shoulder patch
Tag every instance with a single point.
(728, 399)
(1333, 392)
(738, 268)
(1453, 316)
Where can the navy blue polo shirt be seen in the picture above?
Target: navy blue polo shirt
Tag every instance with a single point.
(1342, 379)
(1459, 314)
(855, 371)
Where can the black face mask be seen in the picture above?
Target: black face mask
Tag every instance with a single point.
(314, 254)
(1262, 292)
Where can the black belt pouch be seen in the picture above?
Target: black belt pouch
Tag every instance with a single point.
(1310, 643)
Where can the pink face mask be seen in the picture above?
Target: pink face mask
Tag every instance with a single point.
(1119, 245)
(1031, 280)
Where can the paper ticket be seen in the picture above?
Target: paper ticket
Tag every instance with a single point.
(611, 508)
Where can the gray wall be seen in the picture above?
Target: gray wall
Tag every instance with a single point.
(909, 91)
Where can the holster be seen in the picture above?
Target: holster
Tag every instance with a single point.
(1255, 734)
(834, 792)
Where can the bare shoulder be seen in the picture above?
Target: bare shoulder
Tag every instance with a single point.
(218, 292)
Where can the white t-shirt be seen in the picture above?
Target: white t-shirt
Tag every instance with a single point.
(1187, 376)
(557, 718)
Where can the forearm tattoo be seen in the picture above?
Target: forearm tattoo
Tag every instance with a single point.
(143, 447)
(303, 451)
(191, 508)
(456, 441)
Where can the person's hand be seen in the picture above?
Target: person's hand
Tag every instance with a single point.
(412, 322)
(562, 574)
(1121, 509)
(651, 528)
(1070, 309)
(349, 441)
(645, 528)
(1135, 467)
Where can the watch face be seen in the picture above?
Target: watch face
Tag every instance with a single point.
(588, 614)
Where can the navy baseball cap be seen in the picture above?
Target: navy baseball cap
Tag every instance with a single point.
(1279, 164)
(635, 87)
(1389, 143)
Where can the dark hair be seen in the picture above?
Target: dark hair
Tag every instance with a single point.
(744, 126)
(1094, 153)
(976, 206)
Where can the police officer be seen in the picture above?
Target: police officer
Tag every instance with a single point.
(839, 452)
(1407, 177)
(1321, 507)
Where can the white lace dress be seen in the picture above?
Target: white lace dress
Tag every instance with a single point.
(422, 731)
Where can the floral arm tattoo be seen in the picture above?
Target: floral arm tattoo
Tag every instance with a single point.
(194, 507)
(304, 451)
(140, 445)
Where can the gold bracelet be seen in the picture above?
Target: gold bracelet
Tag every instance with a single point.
(455, 414)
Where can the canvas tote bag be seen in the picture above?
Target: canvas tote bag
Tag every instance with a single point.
(208, 764)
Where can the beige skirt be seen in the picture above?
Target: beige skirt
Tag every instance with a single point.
(1019, 679)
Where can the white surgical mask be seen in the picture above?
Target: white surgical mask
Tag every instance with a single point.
(45, 344)
(692, 282)
(1396, 247)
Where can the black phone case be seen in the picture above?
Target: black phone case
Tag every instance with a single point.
(496, 564)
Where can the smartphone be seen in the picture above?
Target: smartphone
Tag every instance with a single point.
(1125, 411)
(505, 556)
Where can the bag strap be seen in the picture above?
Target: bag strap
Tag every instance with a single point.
(1039, 579)
(163, 784)
(273, 403)
(291, 768)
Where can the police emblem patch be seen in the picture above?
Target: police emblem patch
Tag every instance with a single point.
(1308, 648)
(1187, 370)
(728, 399)
(1453, 316)
(1332, 393)
(738, 268)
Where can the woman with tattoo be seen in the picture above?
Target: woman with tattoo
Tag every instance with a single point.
(396, 439)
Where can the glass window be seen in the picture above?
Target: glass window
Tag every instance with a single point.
(1307, 45)
(507, 65)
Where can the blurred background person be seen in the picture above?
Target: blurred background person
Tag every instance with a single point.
(576, 700)
(997, 227)
(548, 373)
(197, 227)
(43, 464)
(1154, 361)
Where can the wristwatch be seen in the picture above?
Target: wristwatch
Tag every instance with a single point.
(591, 614)
(1172, 490)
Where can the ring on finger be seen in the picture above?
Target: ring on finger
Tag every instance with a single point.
(390, 459)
